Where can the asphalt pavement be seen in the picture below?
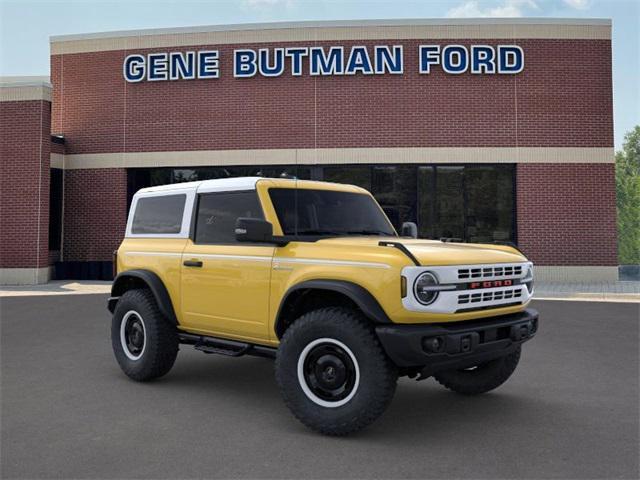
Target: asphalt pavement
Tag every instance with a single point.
(571, 410)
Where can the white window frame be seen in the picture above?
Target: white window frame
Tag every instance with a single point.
(186, 214)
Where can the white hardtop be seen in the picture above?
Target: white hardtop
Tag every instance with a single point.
(216, 185)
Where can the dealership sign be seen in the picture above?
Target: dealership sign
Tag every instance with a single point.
(325, 61)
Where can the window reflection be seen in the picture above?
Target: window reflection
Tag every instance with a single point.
(473, 202)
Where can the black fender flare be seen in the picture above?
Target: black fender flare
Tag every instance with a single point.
(363, 299)
(153, 282)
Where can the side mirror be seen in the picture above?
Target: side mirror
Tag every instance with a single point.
(253, 230)
(409, 229)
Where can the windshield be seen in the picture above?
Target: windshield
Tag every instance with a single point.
(327, 212)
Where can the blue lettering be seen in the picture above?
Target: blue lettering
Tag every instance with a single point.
(455, 59)
(277, 68)
(244, 63)
(208, 64)
(429, 55)
(510, 59)
(181, 67)
(158, 67)
(359, 61)
(331, 64)
(133, 68)
(483, 59)
(296, 55)
(388, 62)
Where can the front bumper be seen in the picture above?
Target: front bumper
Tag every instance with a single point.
(456, 345)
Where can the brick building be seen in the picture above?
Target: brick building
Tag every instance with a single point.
(484, 130)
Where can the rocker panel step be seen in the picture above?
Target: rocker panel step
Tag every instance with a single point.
(223, 346)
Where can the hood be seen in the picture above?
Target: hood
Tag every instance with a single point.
(435, 252)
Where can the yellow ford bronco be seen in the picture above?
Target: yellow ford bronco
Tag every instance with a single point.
(314, 275)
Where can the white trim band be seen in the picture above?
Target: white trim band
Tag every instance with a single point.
(404, 29)
(340, 156)
(322, 261)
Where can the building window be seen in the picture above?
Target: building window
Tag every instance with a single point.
(475, 203)
(138, 178)
(395, 190)
(55, 209)
(472, 202)
(218, 213)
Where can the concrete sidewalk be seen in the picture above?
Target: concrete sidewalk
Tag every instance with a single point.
(57, 287)
(594, 292)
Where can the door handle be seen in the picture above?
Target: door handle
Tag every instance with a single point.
(192, 263)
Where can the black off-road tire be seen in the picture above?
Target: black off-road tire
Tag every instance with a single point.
(481, 379)
(160, 339)
(377, 375)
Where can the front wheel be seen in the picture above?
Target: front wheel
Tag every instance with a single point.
(481, 378)
(332, 371)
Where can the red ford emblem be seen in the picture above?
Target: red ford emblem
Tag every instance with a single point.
(492, 284)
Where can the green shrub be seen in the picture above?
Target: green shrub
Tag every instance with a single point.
(628, 198)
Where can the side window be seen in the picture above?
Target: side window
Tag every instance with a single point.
(158, 215)
(218, 212)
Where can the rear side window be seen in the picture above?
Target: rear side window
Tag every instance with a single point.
(218, 212)
(158, 215)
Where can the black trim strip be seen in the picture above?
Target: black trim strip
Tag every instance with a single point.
(402, 248)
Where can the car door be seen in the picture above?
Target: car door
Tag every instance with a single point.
(225, 284)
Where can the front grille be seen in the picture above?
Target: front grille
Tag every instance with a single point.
(489, 272)
(496, 295)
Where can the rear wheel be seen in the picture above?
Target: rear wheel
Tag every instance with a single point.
(144, 343)
(481, 378)
(333, 373)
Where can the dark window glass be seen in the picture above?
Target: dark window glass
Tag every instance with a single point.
(55, 209)
(450, 202)
(138, 178)
(350, 175)
(218, 212)
(325, 212)
(159, 215)
(489, 199)
(473, 202)
(426, 202)
(394, 187)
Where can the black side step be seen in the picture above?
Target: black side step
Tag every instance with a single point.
(223, 346)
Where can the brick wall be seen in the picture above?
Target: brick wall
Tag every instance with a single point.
(94, 213)
(562, 98)
(24, 183)
(567, 213)
(57, 148)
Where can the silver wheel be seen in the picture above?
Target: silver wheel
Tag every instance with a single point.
(328, 372)
(133, 335)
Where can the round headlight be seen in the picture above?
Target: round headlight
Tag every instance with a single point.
(422, 288)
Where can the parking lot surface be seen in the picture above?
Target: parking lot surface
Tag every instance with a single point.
(571, 410)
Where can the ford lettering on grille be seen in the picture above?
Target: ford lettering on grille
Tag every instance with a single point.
(491, 284)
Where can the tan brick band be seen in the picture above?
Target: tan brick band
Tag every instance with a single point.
(329, 31)
(25, 93)
(328, 156)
